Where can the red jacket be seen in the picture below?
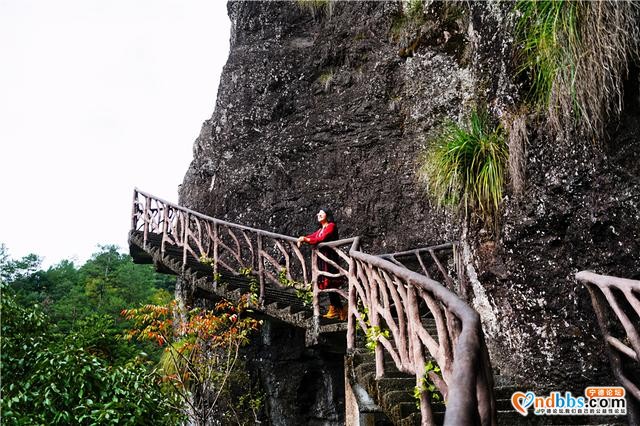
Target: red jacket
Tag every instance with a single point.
(326, 233)
(322, 234)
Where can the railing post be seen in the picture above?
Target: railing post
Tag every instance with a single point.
(314, 283)
(375, 324)
(165, 227)
(260, 270)
(134, 215)
(215, 254)
(418, 358)
(147, 218)
(185, 225)
(353, 297)
(352, 304)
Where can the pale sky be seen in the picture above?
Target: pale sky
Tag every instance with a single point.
(96, 97)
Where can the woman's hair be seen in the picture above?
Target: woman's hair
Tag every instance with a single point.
(335, 235)
(329, 214)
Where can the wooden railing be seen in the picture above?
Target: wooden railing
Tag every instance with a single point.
(389, 302)
(621, 331)
(274, 259)
(435, 262)
(394, 298)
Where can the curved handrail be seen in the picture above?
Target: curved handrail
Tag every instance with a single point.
(385, 289)
(394, 295)
(213, 219)
(430, 264)
(621, 297)
(273, 258)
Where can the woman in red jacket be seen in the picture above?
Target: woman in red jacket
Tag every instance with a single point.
(328, 231)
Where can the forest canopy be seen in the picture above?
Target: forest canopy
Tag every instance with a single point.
(63, 356)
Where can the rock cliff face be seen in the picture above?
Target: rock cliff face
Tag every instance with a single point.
(335, 109)
(302, 385)
(324, 111)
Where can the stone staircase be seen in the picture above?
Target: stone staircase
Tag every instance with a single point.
(393, 395)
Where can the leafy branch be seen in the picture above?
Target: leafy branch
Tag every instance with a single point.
(427, 383)
(201, 353)
(303, 292)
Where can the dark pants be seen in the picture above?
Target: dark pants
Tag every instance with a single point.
(335, 300)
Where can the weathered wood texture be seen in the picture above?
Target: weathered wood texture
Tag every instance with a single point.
(388, 296)
(274, 259)
(616, 302)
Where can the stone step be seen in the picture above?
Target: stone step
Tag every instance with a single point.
(414, 419)
(389, 384)
(394, 397)
(504, 392)
(390, 369)
(403, 410)
(513, 418)
(504, 404)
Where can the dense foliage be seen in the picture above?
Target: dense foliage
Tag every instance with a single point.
(63, 358)
(68, 357)
(201, 363)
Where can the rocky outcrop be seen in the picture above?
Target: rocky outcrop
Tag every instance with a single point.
(301, 385)
(580, 210)
(334, 110)
(324, 111)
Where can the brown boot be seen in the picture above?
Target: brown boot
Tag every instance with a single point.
(344, 312)
(332, 313)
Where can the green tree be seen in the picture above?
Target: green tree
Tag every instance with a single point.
(62, 355)
(201, 361)
(50, 378)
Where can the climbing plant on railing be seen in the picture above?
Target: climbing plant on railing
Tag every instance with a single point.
(254, 287)
(427, 384)
(397, 300)
(374, 333)
(303, 292)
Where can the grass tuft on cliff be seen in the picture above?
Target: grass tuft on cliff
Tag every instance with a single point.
(464, 166)
(575, 55)
(545, 29)
(316, 7)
